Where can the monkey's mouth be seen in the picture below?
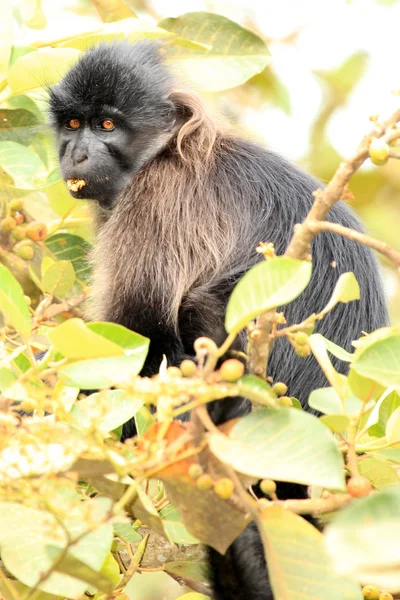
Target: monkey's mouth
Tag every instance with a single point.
(75, 185)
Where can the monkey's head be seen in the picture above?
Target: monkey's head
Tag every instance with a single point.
(111, 113)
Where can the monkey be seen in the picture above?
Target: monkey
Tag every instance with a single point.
(180, 202)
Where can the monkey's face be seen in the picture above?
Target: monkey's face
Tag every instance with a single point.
(99, 154)
(112, 113)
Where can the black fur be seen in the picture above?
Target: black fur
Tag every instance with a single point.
(262, 195)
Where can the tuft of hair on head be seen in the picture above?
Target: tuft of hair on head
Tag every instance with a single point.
(196, 138)
(129, 76)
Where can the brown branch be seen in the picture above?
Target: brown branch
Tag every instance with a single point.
(64, 306)
(315, 506)
(260, 346)
(299, 246)
(316, 227)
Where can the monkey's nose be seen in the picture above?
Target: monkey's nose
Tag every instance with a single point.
(79, 158)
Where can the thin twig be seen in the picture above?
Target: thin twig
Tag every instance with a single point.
(299, 246)
(317, 226)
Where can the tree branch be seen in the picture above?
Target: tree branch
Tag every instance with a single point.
(299, 246)
(316, 227)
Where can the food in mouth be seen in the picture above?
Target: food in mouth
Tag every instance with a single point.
(74, 185)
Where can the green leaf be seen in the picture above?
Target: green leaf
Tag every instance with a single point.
(192, 571)
(65, 396)
(70, 565)
(126, 532)
(104, 341)
(284, 445)
(20, 163)
(76, 341)
(381, 413)
(391, 454)
(59, 198)
(336, 350)
(252, 386)
(236, 54)
(336, 423)
(17, 126)
(65, 246)
(59, 278)
(346, 290)
(118, 334)
(363, 539)
(379, 358)
(298, 564)
(18, 51)
(393, 427)
(174, 528)
(40, 68)
(380, 473)
(337, 380)
(116, 405)
(327, 401)
(130, 29)
(104, 372)
(13, 304)
(26, 534)
(113, 10)
(7, 585)
(110, 569)
(266, 286)
(7, 378)
(143, 420)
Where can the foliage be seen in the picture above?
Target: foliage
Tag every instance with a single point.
(80, 511)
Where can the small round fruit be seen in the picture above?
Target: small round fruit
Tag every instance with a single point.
(280, 388)
(16, 204)
(28, 300)
(224, 488)
(26, 252)
(370, 592)
(385, 596)
(18, 233)
(36, 231)
(188, 368)
(19, 217)
(379, 151)
(303, 351)
(285, 401)
(195, 471)
(231, 370)
(301, 338)
(204, 482)
(174, 372)
(359, 486)
(268, 487)
(8, 224)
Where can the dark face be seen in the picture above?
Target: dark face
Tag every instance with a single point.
(103, 151)
(111, 113)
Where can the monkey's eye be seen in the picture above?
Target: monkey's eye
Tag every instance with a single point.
(107, 124)
(73, 124)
